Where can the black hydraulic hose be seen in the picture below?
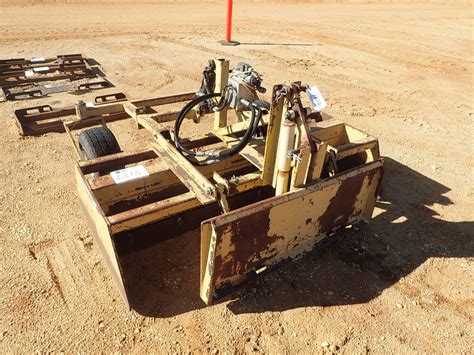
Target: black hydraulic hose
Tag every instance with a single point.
(215, 156)
(182, 115)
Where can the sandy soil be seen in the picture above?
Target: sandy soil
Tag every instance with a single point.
(402, 73)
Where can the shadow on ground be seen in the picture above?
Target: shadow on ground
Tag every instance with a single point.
(275, 44)
(355, 268)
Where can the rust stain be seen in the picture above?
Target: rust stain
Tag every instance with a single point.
(342, 205)
(249, 240)
(379, 183)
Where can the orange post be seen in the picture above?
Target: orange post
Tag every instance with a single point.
(230, 5)
(228, 35)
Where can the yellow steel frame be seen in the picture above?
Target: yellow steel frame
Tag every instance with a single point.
(204, 186)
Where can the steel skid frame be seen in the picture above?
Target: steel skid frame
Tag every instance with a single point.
(42, 119)
(22, 78)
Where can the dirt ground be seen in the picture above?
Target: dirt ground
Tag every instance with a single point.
(402, 73)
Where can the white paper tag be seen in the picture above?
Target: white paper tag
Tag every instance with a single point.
(129, 174)
(37, 59)
(90, 104)
(316, 98)
(29, 73)
(39, 69)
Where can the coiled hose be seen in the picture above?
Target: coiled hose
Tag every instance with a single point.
(219, 155)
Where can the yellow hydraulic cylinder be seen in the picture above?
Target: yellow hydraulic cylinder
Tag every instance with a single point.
(286, 143)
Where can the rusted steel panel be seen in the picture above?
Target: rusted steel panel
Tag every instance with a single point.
(19, 72)
(17, 80)
(13, 70)
(65, 59)
(143, 215)
(101, 232)
(46, 119)
(20, 78)
(283, 227)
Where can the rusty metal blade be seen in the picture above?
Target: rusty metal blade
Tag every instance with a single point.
(282, 227)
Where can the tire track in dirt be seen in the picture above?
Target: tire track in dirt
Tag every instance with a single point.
(58, 36)
(72, 273)
(425, 59)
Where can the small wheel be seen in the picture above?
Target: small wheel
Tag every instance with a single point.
(98, 142)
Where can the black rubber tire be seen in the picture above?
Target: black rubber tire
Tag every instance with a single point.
(98, 142)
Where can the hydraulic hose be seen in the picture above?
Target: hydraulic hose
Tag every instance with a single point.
(219, 155)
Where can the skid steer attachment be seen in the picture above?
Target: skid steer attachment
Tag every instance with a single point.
(264, 190)
(282, 227)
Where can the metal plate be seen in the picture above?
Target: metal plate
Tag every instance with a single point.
(43, 119)
(283, 227)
